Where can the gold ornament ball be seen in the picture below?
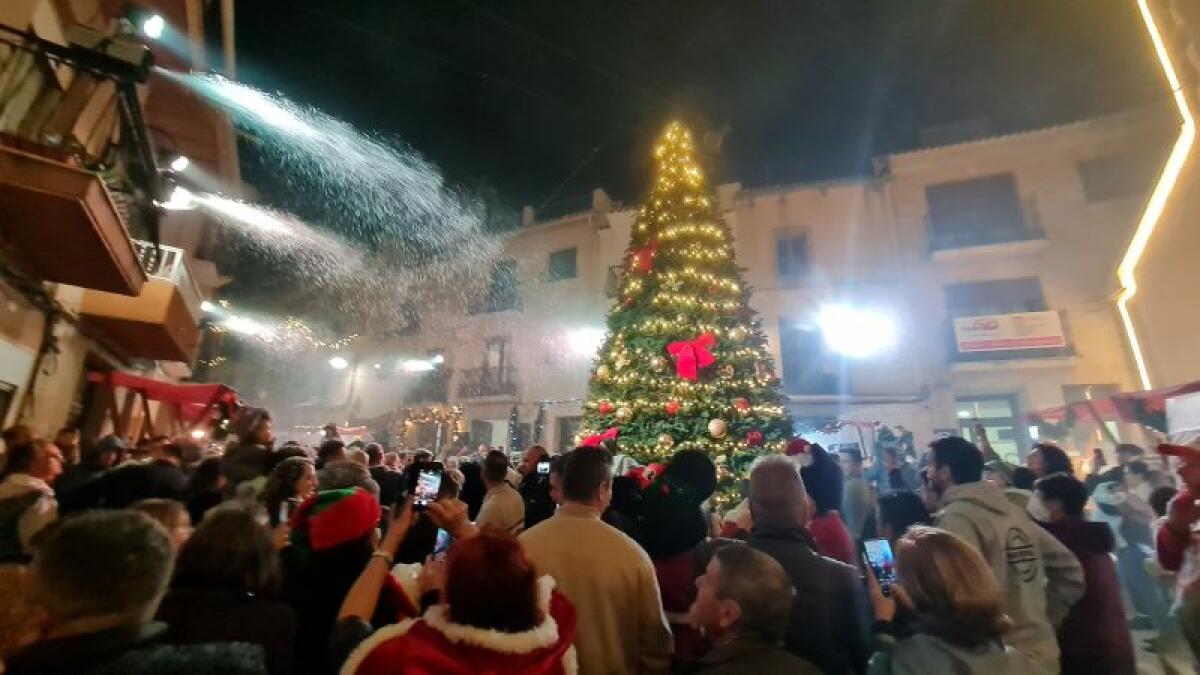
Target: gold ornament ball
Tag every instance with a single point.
(717, 428)
(624, 415)
(738, 334)
(665, 440)
(658, 363)
(602, 372)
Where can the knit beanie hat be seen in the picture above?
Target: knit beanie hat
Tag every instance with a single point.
(334, 517)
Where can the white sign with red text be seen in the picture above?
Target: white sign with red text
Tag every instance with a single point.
(1004, 332)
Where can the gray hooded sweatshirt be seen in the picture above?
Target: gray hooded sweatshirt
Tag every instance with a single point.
(924, 654)
(1039, 577)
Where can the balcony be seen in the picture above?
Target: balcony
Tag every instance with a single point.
(1009, 337)
(431, 387)
(483, 382)
(1023, 233)
(162, 322)
(63, 143)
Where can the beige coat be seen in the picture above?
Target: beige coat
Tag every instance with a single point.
(611, 582)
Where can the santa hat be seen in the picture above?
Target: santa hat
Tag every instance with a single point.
(1186, 453)
(334, 517)
(800, 451)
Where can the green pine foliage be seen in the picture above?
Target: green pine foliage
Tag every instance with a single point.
(681, 282)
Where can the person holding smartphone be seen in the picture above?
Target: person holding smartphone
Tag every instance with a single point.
(961, 620)
(535, 485)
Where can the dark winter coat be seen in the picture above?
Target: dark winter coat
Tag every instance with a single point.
(751, 656)
(243, 462)
(535, 492)
(199, 615)
(135, 650)
(1094, 636)
(157, 479)
(391, 484)
(830, 624)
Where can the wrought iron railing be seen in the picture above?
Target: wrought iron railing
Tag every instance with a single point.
(170, 263)
(479, 382)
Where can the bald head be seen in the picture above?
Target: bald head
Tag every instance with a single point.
(777, 495)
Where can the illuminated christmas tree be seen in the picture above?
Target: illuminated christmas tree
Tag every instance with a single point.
(685, 362)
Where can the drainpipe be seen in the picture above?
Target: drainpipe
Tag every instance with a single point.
(227, 38)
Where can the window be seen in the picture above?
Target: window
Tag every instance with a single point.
(804, 359)
(503, 291)
(1116, 176)
(998, 416)
(612, 284)
(567, 428)
(1003, 296)
(496, 355)
(975, 212)
(563, 264)
(791, 254)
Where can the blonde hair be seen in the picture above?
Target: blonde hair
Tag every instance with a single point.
(954, 593)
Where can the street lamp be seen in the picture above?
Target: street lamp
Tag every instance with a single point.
(153, 26)
(856, 332)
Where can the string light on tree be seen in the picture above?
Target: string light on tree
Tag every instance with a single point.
(684, 354)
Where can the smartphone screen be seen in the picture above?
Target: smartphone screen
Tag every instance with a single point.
(883, 564)
(442, 543)
(543, 468)
(429, 482)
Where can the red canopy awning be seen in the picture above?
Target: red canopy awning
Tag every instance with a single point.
(1148, 408)
(195, 401)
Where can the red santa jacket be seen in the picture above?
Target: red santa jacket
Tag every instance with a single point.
(433, 645)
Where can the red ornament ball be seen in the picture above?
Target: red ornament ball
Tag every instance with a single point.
(672, 407)
(741, 404)
(605, 407)
(754, 438)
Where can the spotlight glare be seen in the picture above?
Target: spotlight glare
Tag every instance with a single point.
(339, 363)
(198, 434)
(585, 341)
(153, 26)
(856, 332)
(180, 163)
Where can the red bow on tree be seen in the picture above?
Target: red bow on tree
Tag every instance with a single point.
(643, 258)
(599, 439)
(692, 355)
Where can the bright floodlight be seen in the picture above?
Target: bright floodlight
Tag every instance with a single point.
(856, 332)
(181, 199)
(339, 363)
(197, 434)
(206, 306)
(180, 163)
(416, 366)
(585, 341)
(153, 26)
(438, 360)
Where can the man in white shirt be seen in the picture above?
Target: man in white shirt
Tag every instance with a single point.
(503, 510)
(27, 501)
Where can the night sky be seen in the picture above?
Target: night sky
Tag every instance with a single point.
(539, 101)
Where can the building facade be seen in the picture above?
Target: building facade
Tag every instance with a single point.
(992, 259)
(97, 279)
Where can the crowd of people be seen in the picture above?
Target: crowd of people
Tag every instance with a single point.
(165, 557)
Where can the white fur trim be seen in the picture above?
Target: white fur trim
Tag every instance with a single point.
(374, 640)
(406, 575)
(543, 635)
(570, 662)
